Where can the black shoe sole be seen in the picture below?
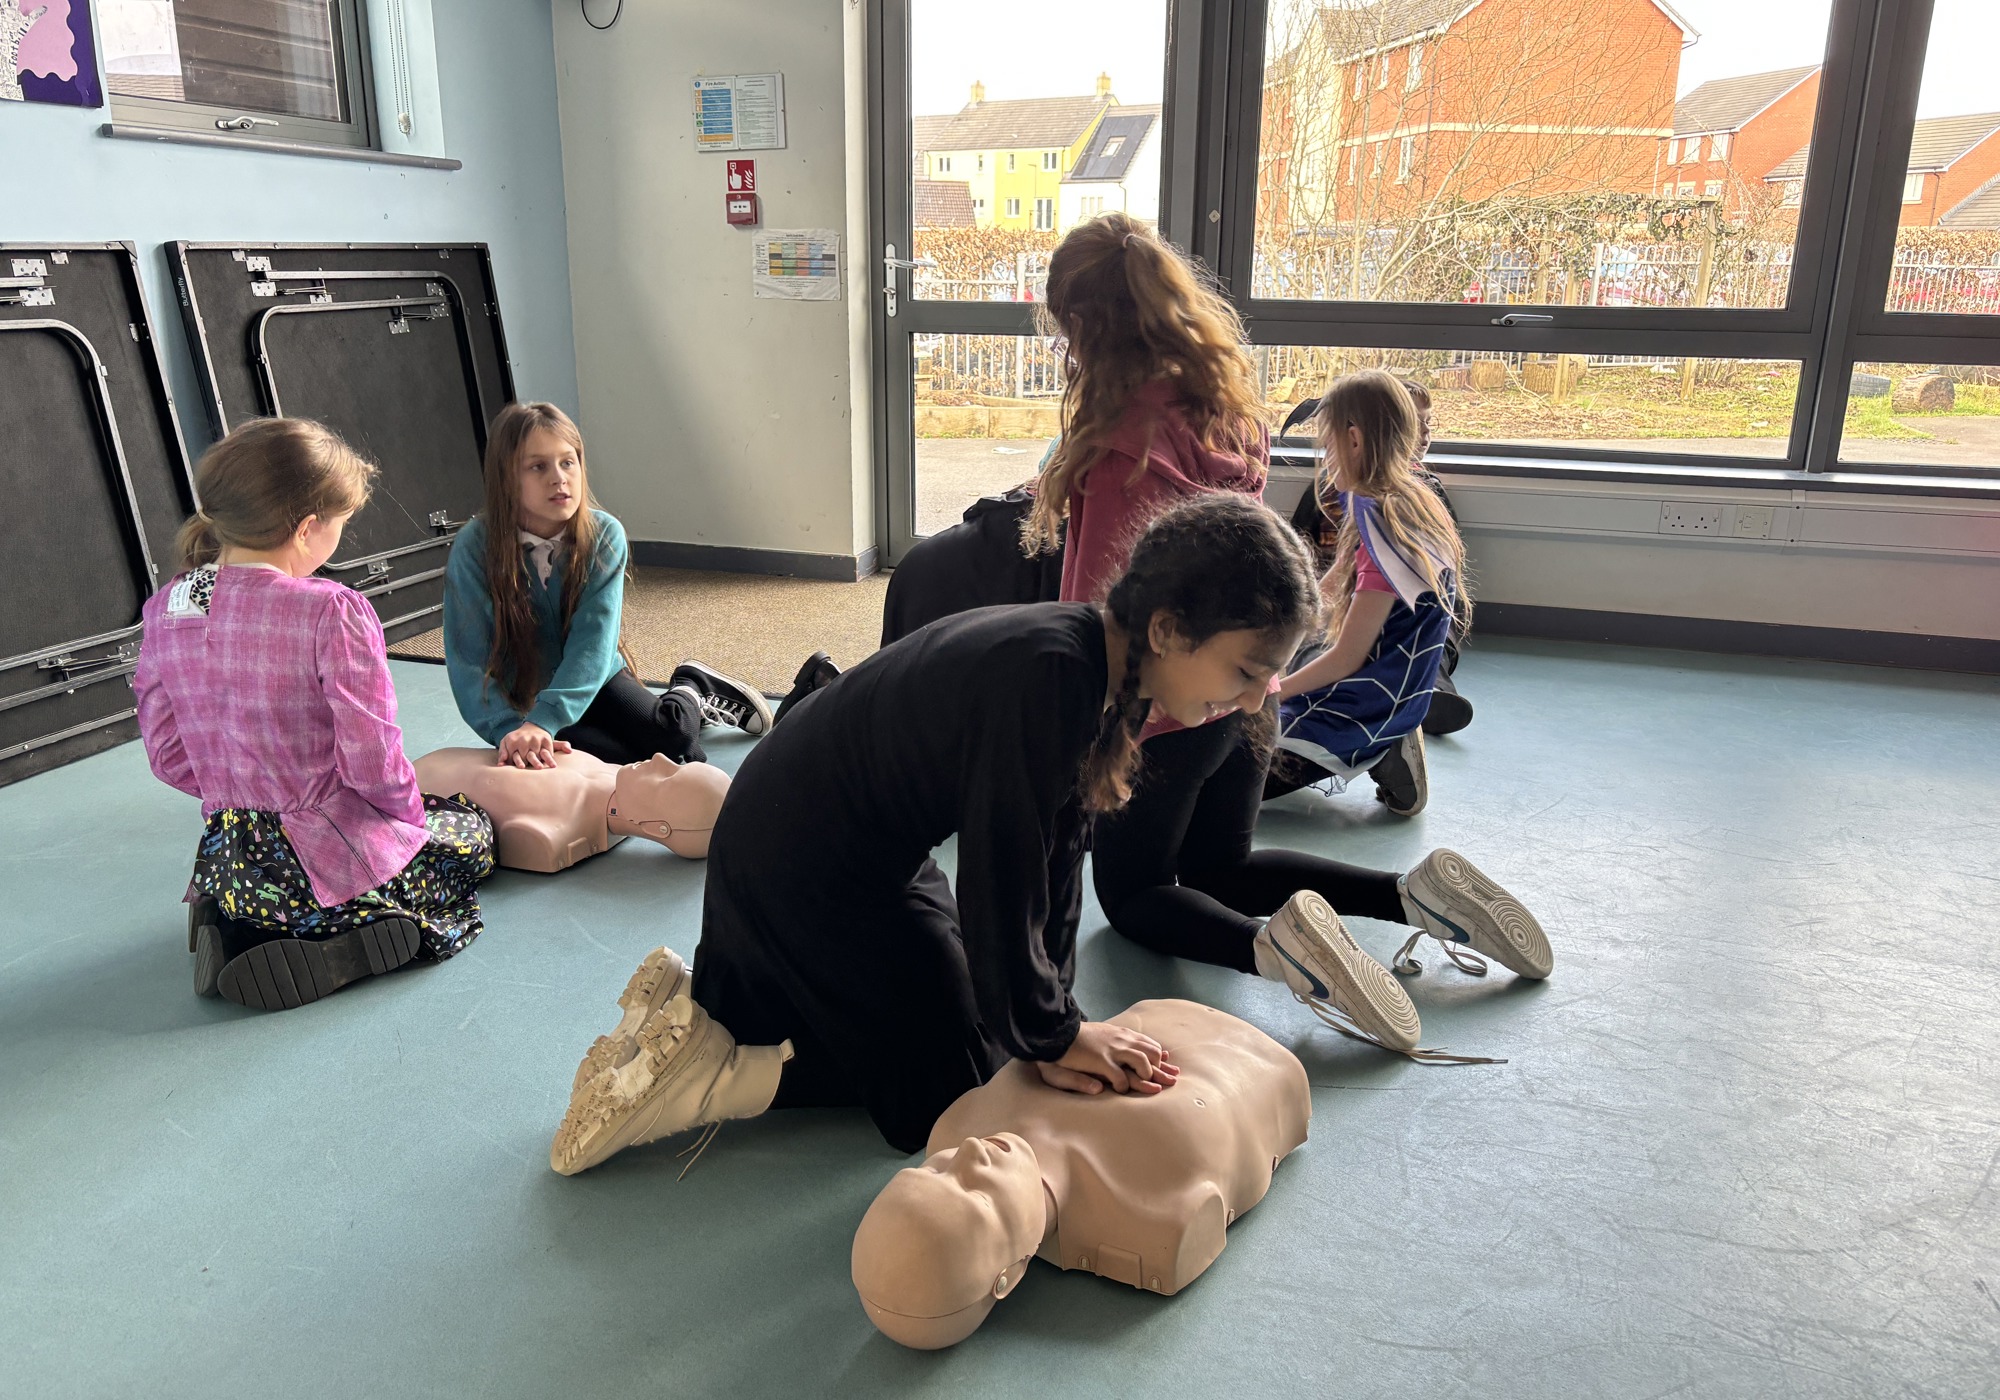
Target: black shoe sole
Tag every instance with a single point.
(289, 972)
(1448, 713)
(205, 942)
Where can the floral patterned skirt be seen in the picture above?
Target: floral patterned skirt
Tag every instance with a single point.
(246, 864)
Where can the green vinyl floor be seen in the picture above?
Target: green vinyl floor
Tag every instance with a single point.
(1747, 1142)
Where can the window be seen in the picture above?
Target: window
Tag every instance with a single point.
(1113, 146)
(1353, 163)
(979, 206)
(1360, 71)
(1913, 187)
(944, 165)
(287, 69)
(1091, 206)
(1045, 214)
(1013, 208)
(1414, 77)
(1406, 161)
(1010, 160)
(1711, 189)
(1540, 126)
(1795, 193)
(1718, 147)
(979, 161)
(1051, 160)
(1381, 71)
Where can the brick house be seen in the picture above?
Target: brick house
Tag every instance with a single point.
(1012, 155)
(1730, 133)
(1951, 159)
(1381, 109)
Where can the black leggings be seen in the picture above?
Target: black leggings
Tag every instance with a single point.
(628, 723)
(1174, 869)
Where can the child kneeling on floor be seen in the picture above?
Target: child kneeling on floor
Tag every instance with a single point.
(1395, 588)
(533, 599)
(265, 692)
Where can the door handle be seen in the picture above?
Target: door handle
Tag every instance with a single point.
(890, 264)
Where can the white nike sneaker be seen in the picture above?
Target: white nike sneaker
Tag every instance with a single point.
(660, 978)
(1447, 898)
(1306, 947)
(689, 1072)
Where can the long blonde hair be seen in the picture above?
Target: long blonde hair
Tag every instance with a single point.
(515, 658)
(1131, 309)
(1381, 408)
(266, 478)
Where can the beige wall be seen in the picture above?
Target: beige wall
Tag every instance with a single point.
(715, 418)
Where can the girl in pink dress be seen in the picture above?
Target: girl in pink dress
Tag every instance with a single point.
(265, 692)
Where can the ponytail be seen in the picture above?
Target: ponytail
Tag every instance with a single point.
(1126, 309)
(263, 480)
(196, 543)
(1222, 562)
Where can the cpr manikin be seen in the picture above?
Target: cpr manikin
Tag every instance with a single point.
(1134, 1188)
(548, 819)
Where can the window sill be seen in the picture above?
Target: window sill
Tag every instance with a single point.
(1290, 462)
(132, 131)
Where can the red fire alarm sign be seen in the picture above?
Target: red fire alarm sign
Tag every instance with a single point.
(743, 177)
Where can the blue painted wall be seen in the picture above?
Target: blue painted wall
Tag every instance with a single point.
(65, 182)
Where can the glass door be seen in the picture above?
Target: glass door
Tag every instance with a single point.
(1002, 127)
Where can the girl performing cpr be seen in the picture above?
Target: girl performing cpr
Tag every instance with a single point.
(827, 929)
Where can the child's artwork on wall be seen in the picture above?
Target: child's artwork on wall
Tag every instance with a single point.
(47, 53)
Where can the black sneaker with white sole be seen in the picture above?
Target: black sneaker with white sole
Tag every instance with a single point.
(724, 699)
(283, 973)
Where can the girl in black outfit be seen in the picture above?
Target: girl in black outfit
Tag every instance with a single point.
(827, 925)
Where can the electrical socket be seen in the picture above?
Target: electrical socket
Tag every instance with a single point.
(1690, 518)
(1754, 522)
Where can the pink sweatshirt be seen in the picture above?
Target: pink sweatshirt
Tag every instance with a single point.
(1153, 460)
(279, 699)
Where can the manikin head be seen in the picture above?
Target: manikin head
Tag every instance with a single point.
(947, 1239)
(675, 804)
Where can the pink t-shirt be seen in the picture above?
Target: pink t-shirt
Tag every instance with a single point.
(1368, 575)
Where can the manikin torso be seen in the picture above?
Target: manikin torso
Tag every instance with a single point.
(1142, 1188)
(548, 819)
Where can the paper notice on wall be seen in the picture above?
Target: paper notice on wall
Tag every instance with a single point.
(796, 264)
(740, 112)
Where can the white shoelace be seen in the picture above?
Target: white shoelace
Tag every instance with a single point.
(1336, 1019)
(1462, 958)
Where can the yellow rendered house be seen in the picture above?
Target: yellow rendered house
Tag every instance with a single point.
(1011, 155)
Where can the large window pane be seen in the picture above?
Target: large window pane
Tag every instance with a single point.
(1016, 140)
(277, 56)
(1708, 407)
(987, 407)
(1568, 152)
(1948, 235)
(1923, 415)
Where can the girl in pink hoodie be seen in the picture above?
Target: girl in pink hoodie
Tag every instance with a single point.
(1162, 402)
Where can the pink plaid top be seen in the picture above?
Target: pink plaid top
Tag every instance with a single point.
(279, 699)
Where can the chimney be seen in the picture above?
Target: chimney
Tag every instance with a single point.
(978, 92)
(1103, 85)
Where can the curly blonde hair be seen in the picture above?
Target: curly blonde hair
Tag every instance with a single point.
(1129, 308)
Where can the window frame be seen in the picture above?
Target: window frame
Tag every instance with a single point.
(1044, 218)
(1013, 207)
(350, 37)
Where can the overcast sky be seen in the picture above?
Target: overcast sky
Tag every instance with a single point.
(1049, 48)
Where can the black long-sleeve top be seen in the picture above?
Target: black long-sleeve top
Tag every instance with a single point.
(976, 726)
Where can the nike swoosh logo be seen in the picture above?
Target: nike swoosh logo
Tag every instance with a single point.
(1318, 987)
(1463, 935)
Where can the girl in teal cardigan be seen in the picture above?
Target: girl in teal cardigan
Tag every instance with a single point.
(533, 594)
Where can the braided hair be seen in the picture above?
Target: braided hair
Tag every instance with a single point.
(1221, 562)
